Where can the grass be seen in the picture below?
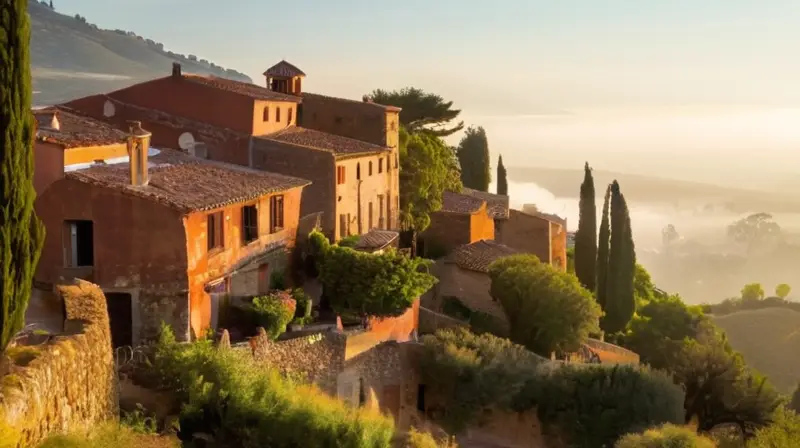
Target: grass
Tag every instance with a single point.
(110, 435)
(769, 340)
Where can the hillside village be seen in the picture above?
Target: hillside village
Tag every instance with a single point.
(224, 263)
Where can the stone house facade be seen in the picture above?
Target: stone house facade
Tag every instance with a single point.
(463, 219)
(163, 233)
(330, 141)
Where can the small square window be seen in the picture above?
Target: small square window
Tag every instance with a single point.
(249, 224)
(215, 230)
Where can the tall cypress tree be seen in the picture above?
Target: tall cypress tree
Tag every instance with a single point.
(473, 156)
(21, 232)
(502, 180)
(586, 236)
(602, 253)
(620, 303)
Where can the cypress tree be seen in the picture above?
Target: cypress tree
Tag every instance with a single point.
(21, 232)
(586, 236)
(502, 180)
(602, 253)
(620, 301)
(473, 156)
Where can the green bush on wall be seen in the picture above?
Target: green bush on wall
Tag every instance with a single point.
(273, 312)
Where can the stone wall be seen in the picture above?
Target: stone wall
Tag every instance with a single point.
(70, 383)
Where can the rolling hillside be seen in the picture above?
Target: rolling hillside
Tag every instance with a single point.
(71, 58)
(769, 339)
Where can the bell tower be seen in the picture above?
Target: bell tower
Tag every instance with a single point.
(285, 78)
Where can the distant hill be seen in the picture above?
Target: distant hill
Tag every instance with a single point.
(769, 340)
(71, 58)
(566, 183)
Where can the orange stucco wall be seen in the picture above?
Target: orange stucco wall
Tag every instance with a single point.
(558, 245)
(481, 225)
(90, 154)
(288, 116)
(204, 266)
(370, 187)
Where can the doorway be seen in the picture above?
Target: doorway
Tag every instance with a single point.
(120, 316)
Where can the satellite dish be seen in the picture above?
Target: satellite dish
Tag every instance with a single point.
(186, 141)
(108, 109)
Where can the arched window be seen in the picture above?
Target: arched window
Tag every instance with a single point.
(266, 113)
(369, 173)
(358, 171)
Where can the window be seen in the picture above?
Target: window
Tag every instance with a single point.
(249, 224)
(421, 397)
(396, 161)
(278, 114)
(380, 166)
(342, 226)
(340, 175)
(380, 211)
(275, 214)
(215, 230)
(370, 169)
(266, 113)
(291, 111)
(388, 163)
(358, 171)
(78, 244)
(369, 214)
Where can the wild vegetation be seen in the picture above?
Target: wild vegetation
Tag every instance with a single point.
(666, 436)
(21, 232)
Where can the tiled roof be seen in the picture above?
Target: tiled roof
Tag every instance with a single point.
(284, 69)
(530, 209)
(318, 97)
(188, 183)
(76, 131)
(336, 144)
(497, 204)
(242, 88)
(460, 203)
(479, 255)
(376, 239)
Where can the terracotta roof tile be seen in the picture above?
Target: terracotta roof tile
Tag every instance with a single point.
(318, 97)
(530, 209)
(460, 203)
(376, 239)
(284, 69)
(76, 130)
(341, 146)
(497, 203)
(242, 88)
(479, 255)
(188, 183)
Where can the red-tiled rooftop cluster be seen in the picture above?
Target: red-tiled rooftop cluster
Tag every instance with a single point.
(188, 183)
(242, 88)
(75, 131)
(284, 69)
(323, 141)
(497, 204)
(479, 255)
(318, 97)
(460, 203)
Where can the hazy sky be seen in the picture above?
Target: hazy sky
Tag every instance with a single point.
(671, 79)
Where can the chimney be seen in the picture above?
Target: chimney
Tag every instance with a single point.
(55, 124)
(176, 70)
(366, 99)
(138, 146)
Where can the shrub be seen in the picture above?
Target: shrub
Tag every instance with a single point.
(419, 439)
(593, 405)
(349, 241)
(304, 305)
(109, 435)
(547, 309)
(225, 394)
(784, 432)
(277, 280)
(667, 436)
(274, 312)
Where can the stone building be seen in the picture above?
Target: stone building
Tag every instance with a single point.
(463, 219)
(348, 149)
(163, 232)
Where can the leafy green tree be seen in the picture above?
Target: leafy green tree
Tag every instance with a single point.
(784, 432)
(21, 232)
(422, 111)
(620, 302)
(643, 287)
(753, 291)
(586, 236)
(783, 290)
(502, 177)
(547, 309)
(368, 284)
(754, 230)
(428, 168)
(603, 246)
(473, 157)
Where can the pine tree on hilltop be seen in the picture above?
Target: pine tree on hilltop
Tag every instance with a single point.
(586, 236)
(620, 301)
(21, 232)
(473, 155)
(602, 253)
(502, 180)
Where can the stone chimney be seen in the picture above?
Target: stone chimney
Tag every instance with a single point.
(55, 124)
(176, 70)
(366, 99)
(138, 147)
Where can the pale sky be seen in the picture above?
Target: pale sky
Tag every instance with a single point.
(620, 81)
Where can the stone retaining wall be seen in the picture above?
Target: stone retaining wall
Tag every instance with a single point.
(70, 383)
